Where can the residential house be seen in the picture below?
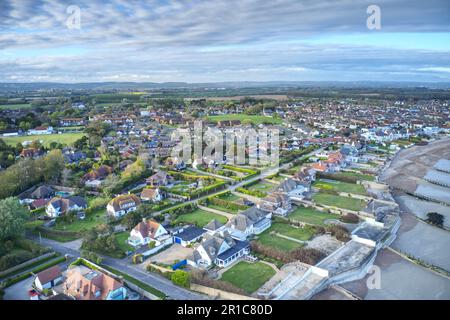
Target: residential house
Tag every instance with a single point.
(189, 235)
(146, 231)
(48, 278)
(219, 249)
(83, 283)
(70, 122)
(42, 192)
(123, 204)
(213, 227)
(294, 189)
(59, 206)
(160, 178)
(30, 153)
(152, 194)
(249, 222)
(277, 202)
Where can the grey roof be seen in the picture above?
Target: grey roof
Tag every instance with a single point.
(42, 192)
(212, 244)
(190, 233)
(213, 225)
(287, 185)
(247, 218)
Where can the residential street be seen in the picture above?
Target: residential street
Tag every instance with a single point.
(158, 282)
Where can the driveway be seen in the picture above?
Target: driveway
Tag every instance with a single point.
(19, 291)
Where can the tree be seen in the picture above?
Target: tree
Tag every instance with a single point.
(53, 165)
(12, 218)
(436, 219)
(181, 278)
(132, 219)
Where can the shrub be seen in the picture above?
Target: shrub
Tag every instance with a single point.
(181, 278)
(436, 219)
(350, 218)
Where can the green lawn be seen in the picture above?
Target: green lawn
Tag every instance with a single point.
(248, 276)
(359, 176)
(266, 239)
(91, 221)
(64, 138)
(338, 201)
(309, 215)
(220, 208)
(228, 197)
(340, 186)
(285, 229)
(122, 239)
(254, 119)
(200, 218)
(262, 186)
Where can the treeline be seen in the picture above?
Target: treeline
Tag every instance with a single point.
(28, 172)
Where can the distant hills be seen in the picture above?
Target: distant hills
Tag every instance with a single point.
(33, 86)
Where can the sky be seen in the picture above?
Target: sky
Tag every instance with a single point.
(223, 40)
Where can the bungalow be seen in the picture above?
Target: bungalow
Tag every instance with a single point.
(48, 278)
(83, 283)
(58, 206)
(220, 249)
(251, 221)
(160, 178)
(123, 204)
(213, 227)
(146, 231)
(189, 235)
(42, 192)
(152, 195)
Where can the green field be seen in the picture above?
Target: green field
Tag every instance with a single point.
(248, 276)
(15, 106)
(254, 119)
(64, 138)
(309, 215)
(338, 201)
(268, 240)
(359, 176)
(302, 234)
(340, 186)
(122, 240)
(200, 218)
(262, 186)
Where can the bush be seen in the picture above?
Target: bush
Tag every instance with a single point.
(181, 278)
(339, 232)
(350, 218)
(255, 193)
(436, 219)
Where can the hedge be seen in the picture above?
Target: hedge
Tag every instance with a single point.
(255, 193)
(9, 282)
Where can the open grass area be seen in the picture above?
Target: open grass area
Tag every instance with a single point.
(122, 240)
(269, 240)
(340, 186)
(89, 222)
(200, 218)
(263, 186)
(228, 196)
(338, 201)
(248, 276)
(64, 138)
(311, 216)
(254, 119)
(359, 176)
(302, 234)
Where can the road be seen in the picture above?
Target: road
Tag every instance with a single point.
(154, 280)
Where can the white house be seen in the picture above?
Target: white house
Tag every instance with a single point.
(146, 231)
(152, 194)
(220, 249)
(123, 204)
(40, 130)
(48, 278)
(60, 206)
(251, 221)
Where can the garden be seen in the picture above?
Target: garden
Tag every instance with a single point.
(339, 186)
(339, 201)
(311, 216)
(248, 276)
(200, 218)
